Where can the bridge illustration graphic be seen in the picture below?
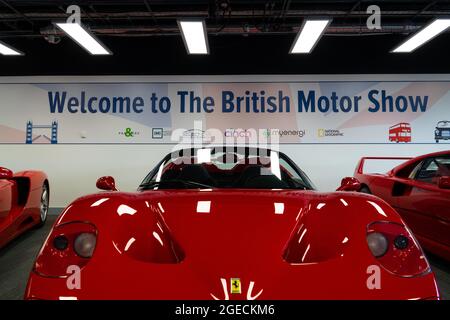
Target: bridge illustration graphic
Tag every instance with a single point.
(53, 129)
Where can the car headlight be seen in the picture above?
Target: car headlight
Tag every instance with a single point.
(396, 249)
(378, 244)
(71, 243)
(84, 244)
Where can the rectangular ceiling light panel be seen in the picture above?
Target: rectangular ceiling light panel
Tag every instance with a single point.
(309, 35)
(84, 38)
(8, 51)
(426, 34)
(194, 36)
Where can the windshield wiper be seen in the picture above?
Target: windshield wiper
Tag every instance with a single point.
(185, 182)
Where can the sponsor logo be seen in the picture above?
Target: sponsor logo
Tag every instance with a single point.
(159, 133)
(321, 133)
(129, 133)
(238, 133)
(284, 132)
(196, 134)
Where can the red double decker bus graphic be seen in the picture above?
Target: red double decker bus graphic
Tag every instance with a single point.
(401, 132)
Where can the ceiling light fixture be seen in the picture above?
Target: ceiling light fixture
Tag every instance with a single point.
(194, 36)
(309, 35)
(84, 38)
(424, 35)
(8, 51)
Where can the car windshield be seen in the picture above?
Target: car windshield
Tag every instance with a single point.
(226, 167)
(443, 124)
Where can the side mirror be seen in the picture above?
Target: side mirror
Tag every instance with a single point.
(444, 182)
(349, 184)
(5, 173)
(106, 183)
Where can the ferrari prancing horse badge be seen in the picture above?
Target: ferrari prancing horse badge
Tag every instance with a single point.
(235, 284)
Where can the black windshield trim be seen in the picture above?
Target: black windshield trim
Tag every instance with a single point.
(308, 184)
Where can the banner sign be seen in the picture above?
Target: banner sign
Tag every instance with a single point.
(292, 112)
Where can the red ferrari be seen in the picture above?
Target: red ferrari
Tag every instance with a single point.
(24, 198)
(419, 189)
(234, 223)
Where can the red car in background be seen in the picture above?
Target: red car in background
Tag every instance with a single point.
(239, 224)
(401, 132)
(24, 199)
(419, 189)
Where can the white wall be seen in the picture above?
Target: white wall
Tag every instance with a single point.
(74, 169)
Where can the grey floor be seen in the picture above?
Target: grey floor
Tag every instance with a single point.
(16, 260)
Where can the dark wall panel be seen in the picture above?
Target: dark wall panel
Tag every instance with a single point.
(229, 55)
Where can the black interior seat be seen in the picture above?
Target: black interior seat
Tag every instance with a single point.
(196, 173)
(253, 170)
(170, 175)
(269, 181)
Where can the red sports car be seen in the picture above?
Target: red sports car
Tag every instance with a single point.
(419, 189)
(229, 224)
(24, 198)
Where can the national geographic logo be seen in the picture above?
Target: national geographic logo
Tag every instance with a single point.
(321, 133)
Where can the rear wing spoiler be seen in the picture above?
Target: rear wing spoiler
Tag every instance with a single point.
(360, 166)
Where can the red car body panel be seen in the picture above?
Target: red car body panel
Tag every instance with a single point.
(20, 199)
(424, 206)
(239, 234)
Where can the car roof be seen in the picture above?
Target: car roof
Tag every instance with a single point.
(419, 158)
